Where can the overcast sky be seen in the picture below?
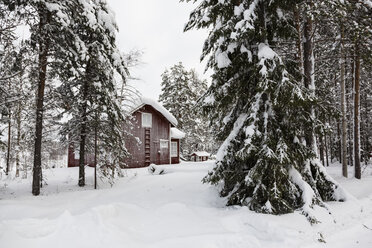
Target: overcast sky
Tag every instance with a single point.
(156, 28)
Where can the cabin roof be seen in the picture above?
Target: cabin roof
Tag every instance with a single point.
(157, 106)
(201, 154)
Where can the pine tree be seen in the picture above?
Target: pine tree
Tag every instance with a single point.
(181, 90)
(176, 93)
(95, 89)
(51, 36)
(265, 161)
(7, 36)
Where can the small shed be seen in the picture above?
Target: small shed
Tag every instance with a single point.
(199, 156)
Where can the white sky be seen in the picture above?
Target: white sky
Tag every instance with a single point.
(156, 28)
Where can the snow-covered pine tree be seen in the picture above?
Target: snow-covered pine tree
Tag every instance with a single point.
(91, 82)
(50, 24)
(264, 162)
(16, 93)
(181, 90)
(201, 135)
(176, 94)
(24, 106)
(7, 97)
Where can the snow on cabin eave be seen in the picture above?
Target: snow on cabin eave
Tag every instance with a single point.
(177, 134)
(157, 106)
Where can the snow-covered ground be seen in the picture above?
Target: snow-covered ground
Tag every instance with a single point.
(172, 210)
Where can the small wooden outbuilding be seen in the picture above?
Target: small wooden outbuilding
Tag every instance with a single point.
(199, 156)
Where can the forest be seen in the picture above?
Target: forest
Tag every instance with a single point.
(284, 120)
(290, 93)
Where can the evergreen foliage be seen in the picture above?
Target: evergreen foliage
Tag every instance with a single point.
(77, 71)
(181, 90)
(260, 106)
(92, 83)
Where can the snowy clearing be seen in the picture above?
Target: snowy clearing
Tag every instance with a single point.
(171, 210)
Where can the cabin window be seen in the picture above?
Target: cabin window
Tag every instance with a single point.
(164, 144)
(76, 154)
(146, 120)
(174, 149)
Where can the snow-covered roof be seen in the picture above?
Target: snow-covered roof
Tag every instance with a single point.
(201, 154)
(142, 101)
(177, 134)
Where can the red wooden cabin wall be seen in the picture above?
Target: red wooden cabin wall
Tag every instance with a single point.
(160, 130)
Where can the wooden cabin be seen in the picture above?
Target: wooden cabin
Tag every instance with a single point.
(73, 157)
(199, 156)
(159, 139)
(155, 138)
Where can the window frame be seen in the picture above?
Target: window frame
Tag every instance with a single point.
(174, 151)
(144, 124)
(162, 142)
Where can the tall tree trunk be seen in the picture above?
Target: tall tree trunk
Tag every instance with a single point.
(296, 14)
(82, 150)
(309, 74)
(352, 110)
(357, 113)
(95, 153)
(321, 150)
(351, 146)
(366, 128)
(18, 121)
(326, 149)
(9, 143)
(343, 107)
(43, 60)
(18, 138)
(83, 130)
(24, 166)
(339, 143)
(350, 117)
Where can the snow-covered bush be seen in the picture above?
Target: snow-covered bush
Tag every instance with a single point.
(155, 170)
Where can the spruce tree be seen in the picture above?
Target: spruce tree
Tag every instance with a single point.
(260, 105)
(181, 90)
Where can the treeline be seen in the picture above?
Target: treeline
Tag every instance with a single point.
(343, 72)
(63, 76)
